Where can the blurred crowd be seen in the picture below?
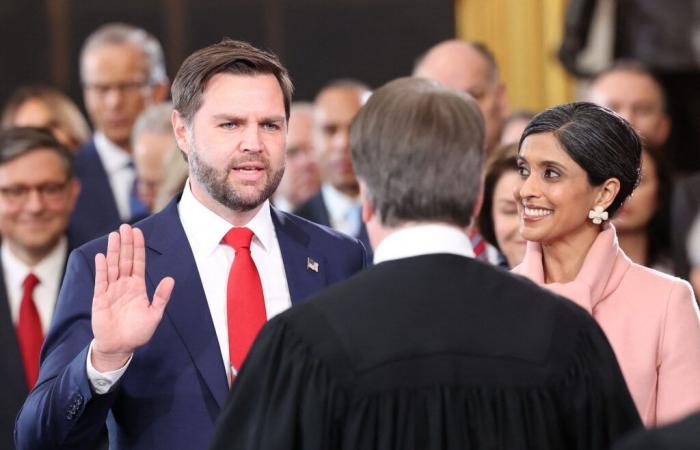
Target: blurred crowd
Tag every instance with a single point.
(66, 179)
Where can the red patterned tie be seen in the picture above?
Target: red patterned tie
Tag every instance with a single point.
(29, 332)
(478, 244)
(245, 305)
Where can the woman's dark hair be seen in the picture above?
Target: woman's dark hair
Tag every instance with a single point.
(659, 227)
(503, 159)
(599, 140)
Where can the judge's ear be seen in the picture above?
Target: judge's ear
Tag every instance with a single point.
(180, 127)
(367, 206)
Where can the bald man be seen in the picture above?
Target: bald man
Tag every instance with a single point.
(631, 90)
(469, 67)
(337, 204)
(301, 179)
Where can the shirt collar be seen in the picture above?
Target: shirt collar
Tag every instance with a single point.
(113, 157)
(336, 202)
(423, 239)
(48, 269)
(196, 217)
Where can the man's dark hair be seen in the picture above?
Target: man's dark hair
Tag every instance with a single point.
(228, 56)
(598, 140)
(18, 141)
(418, 147)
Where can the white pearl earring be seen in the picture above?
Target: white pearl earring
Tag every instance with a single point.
(597, 215)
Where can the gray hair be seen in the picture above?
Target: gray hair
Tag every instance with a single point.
(121, 33)
(154, 119)
(418, 147)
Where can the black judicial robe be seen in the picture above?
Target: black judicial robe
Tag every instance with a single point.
(425, 353)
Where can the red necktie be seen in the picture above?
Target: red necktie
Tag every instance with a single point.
(478, 244)
(29, 331)
(245, 305)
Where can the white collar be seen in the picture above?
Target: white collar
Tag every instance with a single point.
(113, 157)
(46, 270)
(423, 239)
(336, 202)
(211, 227)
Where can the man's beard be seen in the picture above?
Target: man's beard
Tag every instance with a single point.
(215, 180)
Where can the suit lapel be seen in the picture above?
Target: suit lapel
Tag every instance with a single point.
(169, 254)
(298, 256)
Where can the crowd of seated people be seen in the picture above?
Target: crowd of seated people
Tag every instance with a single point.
(149, 248)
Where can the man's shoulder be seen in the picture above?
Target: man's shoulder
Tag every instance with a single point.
(315, 231)
(313, 209)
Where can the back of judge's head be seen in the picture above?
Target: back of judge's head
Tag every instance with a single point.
(418, 147)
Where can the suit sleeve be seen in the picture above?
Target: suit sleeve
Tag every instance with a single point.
(679, 357)
(62, 411)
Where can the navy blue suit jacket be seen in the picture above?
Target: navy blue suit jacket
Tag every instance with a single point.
(175, 385)
(96, 212)
(316, 211)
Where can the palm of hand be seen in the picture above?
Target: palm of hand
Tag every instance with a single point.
(123, 318)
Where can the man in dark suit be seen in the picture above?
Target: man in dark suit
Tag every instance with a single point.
(122, 71)
(216, 265)
(37, 194)
(681, 435)
(336, 204)
(429, 348)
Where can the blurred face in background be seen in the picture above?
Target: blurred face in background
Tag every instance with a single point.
(35, 113)
(301, 178)
(637, 98)
(36, 201)
(335, 107)
(506, 221)
(459, 66)
(638, 210)
(116, 89)
(150, 152)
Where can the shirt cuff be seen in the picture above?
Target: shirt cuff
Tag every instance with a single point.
(103, 382)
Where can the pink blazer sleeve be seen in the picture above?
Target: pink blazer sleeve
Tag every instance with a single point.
(678, 391)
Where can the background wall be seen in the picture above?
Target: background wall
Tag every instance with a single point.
(524, 36)
(318, 40)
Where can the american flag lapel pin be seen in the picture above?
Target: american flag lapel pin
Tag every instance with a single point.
(312, 265)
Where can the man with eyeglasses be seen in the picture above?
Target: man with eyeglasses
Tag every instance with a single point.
(37, 194)
(122, 71)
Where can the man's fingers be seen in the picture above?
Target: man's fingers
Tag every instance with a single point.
(112, 257)
(100, 274)
(139, 269)
(126, 253)
(162, 294)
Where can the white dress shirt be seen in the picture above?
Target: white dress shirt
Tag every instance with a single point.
(424, 239)
(49, 271)
(120, 172)
(344, 211)
(205, 231)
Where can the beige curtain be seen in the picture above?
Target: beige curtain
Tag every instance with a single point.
(524, 36)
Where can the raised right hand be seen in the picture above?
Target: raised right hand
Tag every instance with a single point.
(123, 319)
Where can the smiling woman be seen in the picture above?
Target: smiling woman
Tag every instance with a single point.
(578, 163)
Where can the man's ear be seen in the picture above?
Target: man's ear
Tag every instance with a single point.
(367, 206)
(478, 203)
(180, 131)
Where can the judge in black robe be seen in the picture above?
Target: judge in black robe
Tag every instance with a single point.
(429, 349)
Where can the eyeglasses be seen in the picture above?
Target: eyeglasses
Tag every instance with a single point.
(17, 194)
(127, 87)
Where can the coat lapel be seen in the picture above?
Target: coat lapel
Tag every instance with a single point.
(169, 254)
(299, 259)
